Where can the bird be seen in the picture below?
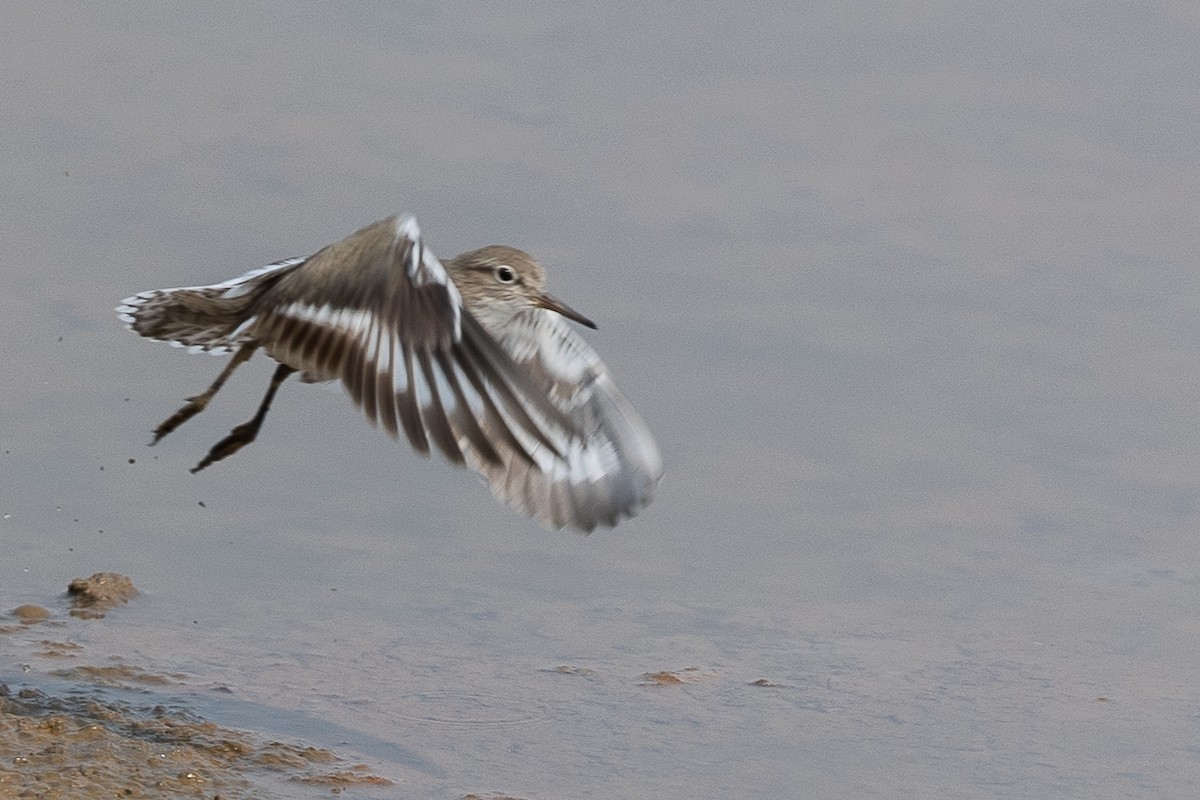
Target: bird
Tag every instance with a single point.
(471, 357)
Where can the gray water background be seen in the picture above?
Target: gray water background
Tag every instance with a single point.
(907, 292)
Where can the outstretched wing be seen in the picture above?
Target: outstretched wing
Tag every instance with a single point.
(536, 414)
(605, 463)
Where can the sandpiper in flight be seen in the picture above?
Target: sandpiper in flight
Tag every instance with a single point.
(472, 356)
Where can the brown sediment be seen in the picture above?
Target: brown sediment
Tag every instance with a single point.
(30, 614)
(85, 745)
(56, 649)
(91, 597)
(117, 675)
(87, 748)
(356, 775)
(675, 677)
(566, 669)
(661, 678)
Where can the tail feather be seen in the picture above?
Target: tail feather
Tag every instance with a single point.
(214, 319)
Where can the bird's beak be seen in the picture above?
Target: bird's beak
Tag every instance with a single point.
(548, 302)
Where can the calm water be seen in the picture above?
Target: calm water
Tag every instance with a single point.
(909, 298)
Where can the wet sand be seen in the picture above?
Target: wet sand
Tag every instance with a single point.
(68, 731)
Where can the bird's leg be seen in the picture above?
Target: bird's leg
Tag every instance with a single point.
(245, 433)
(198, 403)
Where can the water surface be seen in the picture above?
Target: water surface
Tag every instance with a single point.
(908, 297)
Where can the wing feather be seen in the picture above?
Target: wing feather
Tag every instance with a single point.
(409, 408)
(534, 411)
(434, 413)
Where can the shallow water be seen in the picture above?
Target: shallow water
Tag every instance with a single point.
(908, 298)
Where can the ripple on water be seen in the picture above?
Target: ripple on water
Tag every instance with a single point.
(470, 709)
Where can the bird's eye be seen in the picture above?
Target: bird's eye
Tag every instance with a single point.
(505, 274)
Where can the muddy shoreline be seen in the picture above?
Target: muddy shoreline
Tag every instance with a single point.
(71, 728)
